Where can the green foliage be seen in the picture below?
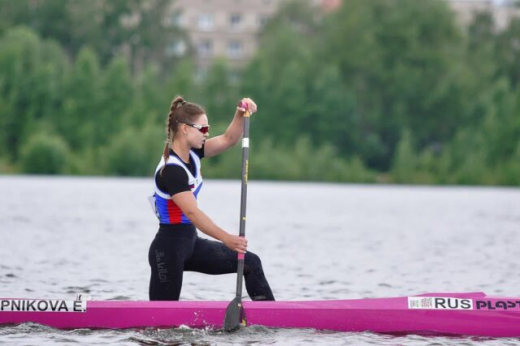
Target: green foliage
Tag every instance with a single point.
(81, 101)
(218, 93)
(117, 92)
(226, 166)
(131, 152)
(278, 76)
(331, 112)
(400, 70)
(299, 161)
(182, 80)
(509, 172)
(136, 27)
(405, 160)
(44, 153)
(508, 52)
(369, 60)
(31, 80)
(380, 90)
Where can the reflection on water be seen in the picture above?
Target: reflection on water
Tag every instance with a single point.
(63, 236)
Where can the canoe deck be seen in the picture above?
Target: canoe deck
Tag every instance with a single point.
(428, 314)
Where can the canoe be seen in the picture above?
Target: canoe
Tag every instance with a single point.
(427, 314)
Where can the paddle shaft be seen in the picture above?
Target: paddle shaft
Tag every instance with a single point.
(235, 315)
(243, 200)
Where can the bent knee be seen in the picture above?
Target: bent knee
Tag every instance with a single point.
(252, 262)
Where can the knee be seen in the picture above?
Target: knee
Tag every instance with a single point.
(252, 262)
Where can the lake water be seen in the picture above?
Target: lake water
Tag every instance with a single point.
(61, 236)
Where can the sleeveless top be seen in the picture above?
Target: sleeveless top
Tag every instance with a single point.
(166, 210)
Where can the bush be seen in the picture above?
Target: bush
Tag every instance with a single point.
(135, 152)
(5, 166)
(301, 161)
(44, 153)
(405, 160)
(509, 173)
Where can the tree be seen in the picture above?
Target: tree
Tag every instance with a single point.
(508, 52)
(218, 93)
(135, 28)
(82, 101)
(116, 100)
(405, 160)
(401, 59)
(31, 81)
(280, 76)
(44, 153)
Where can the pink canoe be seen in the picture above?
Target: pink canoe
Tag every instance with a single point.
(427, 314)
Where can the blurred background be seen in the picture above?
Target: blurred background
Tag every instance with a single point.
(391, 91)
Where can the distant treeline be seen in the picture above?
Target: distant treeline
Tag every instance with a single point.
(377, 91)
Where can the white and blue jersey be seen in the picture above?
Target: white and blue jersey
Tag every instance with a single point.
(167, 211)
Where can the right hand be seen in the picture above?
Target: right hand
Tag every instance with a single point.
(236, 243)
(249, 104)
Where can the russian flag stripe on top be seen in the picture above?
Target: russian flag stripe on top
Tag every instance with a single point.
(169, 212)
(174, 212)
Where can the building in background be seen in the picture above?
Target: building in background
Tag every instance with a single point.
(502, 10)
(220, 28)
(230, 28)
(224, 28)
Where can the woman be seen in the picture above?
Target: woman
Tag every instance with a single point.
(178, 181)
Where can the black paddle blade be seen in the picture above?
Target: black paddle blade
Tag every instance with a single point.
(234, 315)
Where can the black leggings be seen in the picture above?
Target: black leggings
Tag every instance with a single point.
(178, 248)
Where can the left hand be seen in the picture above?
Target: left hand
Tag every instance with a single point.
(235, 243)
(251, 105)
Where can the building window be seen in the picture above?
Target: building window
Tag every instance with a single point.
(175, 19)
(262, 20)
(235, 20)
(234, 49)
(205, 48)
(206, 21)
(176, 48)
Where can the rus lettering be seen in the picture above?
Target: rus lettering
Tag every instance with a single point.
(440, 302)
(465, 304)
(453, 304)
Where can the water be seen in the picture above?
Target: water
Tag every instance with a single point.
(62, 236)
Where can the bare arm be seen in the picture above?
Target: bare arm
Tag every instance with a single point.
(188, 204)
(218, 144)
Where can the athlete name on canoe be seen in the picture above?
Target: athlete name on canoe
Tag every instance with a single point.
(27, 305)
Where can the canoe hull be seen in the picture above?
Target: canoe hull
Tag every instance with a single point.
(436, 314)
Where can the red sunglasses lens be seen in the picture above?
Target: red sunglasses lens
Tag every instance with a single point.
(204, 129)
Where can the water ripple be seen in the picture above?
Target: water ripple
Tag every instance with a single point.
(369, 241)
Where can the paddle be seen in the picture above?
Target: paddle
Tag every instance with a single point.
(235, 311)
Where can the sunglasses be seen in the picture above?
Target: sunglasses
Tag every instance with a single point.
(202, 128)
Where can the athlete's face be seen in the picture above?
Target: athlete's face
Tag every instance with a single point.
(198, 131)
